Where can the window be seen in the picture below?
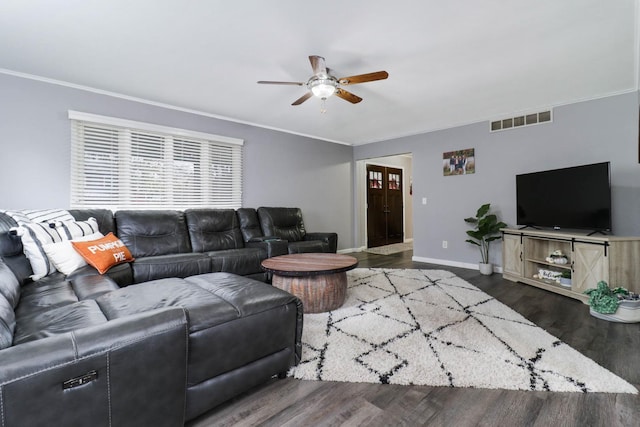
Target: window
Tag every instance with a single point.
(121, 164)
(375, 179)
(394, 181)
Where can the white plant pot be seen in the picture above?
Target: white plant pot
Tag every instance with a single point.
(486, 269)
(627, 312)
(566, 282)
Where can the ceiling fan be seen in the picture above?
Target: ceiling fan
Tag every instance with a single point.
(322, 84)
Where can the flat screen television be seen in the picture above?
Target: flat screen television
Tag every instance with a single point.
(576, 197)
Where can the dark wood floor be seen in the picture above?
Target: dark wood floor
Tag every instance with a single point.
(615, 346)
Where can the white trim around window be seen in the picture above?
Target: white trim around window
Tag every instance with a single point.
(115, 121)
(124, 164)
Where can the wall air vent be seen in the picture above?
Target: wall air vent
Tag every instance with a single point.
(521, 120)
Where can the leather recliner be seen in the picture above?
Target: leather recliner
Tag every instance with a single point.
(287, 224)
(217, 234)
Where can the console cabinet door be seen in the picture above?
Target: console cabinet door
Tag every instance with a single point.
(512, 254)
(590, 265)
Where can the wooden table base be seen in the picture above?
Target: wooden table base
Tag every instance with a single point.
(318, 279)
(320, 293)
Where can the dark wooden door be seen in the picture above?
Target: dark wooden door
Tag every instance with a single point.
(384, 206)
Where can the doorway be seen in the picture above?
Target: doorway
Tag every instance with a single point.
(385, 210)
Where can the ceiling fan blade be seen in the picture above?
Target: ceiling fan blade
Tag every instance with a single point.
(363, 78)
(348, 96)
(302, 98)
(266, 82)
(318, 65)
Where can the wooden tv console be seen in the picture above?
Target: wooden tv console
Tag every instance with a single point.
(614, 259)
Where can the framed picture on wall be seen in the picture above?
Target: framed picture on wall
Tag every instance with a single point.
(459, 162)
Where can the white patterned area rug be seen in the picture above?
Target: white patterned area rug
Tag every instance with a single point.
(429, 327)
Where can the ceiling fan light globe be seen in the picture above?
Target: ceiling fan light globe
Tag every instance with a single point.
(323, 88)
(323, 91)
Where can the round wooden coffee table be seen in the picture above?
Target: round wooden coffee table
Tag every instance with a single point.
(318, 279)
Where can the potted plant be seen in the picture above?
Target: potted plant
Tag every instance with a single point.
(486, 230)
(617, 304)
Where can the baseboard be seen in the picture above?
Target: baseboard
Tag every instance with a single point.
(449, 263)
(350, 250)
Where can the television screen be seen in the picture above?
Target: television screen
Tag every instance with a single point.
(577, 197)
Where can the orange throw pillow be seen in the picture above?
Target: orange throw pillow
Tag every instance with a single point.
(103, 253)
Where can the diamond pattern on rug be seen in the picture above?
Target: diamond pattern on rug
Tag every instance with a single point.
(429, 327)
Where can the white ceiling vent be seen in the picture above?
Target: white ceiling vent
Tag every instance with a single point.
(521, 120)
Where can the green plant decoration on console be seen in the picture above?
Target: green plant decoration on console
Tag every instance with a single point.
(604, 299)
(487, 229)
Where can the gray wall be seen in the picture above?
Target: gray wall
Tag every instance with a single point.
(319, 177)
(280, 169)
(588, 132)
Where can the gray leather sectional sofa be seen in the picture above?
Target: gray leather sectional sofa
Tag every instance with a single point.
(157, 341)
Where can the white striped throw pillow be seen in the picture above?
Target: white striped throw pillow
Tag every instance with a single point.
(35, 235)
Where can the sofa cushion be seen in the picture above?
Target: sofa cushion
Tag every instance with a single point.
(47, 293)
(247, 296)
(63, 319)
(210, 299)
(239, 261)
(169, 292)
(55, 291)
(152, 233)
(7, 323)
(177, 265)
(104, 252)
(213, 229)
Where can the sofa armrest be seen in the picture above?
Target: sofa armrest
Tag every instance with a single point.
(330, 238)
(272, 245)
(101, 374)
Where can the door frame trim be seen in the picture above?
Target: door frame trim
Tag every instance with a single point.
(362, 181)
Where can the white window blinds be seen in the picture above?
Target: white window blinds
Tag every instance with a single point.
(120, 164)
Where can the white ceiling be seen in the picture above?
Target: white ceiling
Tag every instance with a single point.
(449, 62)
